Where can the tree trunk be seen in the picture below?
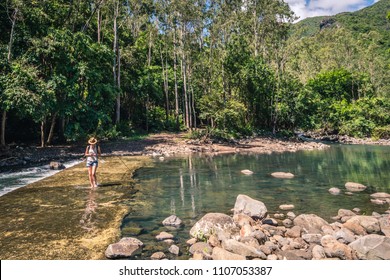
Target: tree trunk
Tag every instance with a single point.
(175, 76)
(115, 63)
(165, 79)
(118, 97)
(184, 75)
(99, 25)
(51, 131)
(11, 37)
(43, 136)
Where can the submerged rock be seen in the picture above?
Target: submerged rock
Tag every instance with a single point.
(380, 195)
(164, 235)
(334, 191)
(172, 221)
(286, 207)
(247, 172)
(355, 187)
(282, 175)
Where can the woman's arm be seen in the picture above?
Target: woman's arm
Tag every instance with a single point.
(99, 151)
(86, 151)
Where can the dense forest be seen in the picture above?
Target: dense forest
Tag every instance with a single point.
(225, 68)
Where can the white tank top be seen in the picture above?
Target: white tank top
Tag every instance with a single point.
(93, 153)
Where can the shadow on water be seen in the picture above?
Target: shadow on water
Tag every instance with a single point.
(192, 186)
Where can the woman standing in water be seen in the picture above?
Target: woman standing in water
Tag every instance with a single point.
(92, 152)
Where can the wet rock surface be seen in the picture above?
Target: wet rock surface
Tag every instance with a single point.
(61, 218)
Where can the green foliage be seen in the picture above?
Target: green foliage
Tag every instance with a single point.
(382, 132)
(215, 64)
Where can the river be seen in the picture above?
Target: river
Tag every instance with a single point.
(192, 186)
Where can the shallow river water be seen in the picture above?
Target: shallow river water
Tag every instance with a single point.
(192, 186)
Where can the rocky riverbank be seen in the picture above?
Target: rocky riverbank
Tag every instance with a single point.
(342, 139)
(252, 234)
(22, 156)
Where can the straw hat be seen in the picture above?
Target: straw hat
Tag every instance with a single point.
(92, 141)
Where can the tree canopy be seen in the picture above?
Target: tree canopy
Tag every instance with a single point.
(70, 69)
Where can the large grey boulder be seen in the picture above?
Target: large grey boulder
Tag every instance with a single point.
(251, 207)
(212, 223)
(372, 247)
(126, 247)
(310, 223)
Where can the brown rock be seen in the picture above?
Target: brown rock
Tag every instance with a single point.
(222, 254)
(282, 175)
(355, 187)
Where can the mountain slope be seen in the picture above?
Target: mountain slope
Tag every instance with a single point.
(372, 18)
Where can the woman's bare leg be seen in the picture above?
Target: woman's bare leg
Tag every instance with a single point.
(91, 177)
(94, 169)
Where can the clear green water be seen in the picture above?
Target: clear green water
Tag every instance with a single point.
(192, 186)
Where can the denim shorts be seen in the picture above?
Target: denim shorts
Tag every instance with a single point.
(92, 163)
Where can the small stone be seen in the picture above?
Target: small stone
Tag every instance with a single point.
(291, 215)
(286, 207)
(158, 256)
(334, 191)
(282, 175)
(380, 195)
(164, 235)
(247, 172)
(191, 241)
(174, 250)
(279, 216)
(169, 241)
(288, 223)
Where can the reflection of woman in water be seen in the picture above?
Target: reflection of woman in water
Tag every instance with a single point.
(87, 220)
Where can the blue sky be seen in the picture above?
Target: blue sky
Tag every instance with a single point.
(311, 8)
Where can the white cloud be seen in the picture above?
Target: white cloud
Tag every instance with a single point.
(311, 8)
